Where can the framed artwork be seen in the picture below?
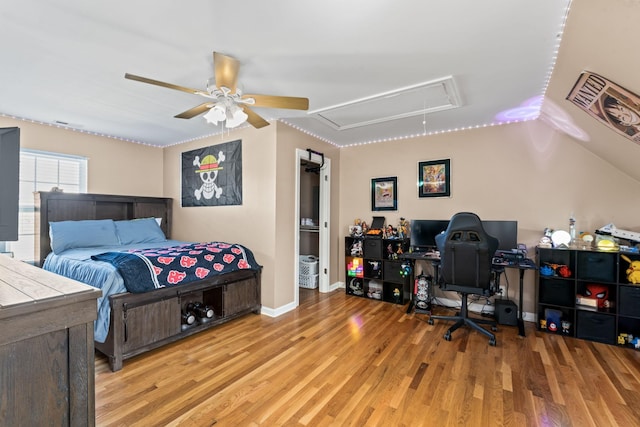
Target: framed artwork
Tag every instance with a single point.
(434, 178)
(384, 194)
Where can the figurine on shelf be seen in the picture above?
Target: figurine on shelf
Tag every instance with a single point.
(403, 228)
(623, 338)
(355, 230)
(399, 250)
(356, 248)
(545, 240)
(396, 295)
(390, 253)
(388, 232)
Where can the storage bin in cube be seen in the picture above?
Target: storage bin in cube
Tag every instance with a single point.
(308, 265)
(375, 289)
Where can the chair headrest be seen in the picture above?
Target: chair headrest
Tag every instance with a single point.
(471, 224)
(465, 221)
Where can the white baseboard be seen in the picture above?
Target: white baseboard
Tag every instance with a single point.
(337, 285)
(480, 308)
(448, 302)
(475, 307)
(275, 312)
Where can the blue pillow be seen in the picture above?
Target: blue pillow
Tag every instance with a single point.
(144, 230)
(82, 234)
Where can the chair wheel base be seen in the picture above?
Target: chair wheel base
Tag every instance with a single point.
(430, 321)
(492, 342)
(494, 328)
(447, 336)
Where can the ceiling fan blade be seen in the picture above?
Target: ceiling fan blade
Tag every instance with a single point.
(163, 84)
(273, 101)
(254, 118)
(226, 71)
(192, 112)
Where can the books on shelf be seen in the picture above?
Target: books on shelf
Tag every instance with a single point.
(586, 303)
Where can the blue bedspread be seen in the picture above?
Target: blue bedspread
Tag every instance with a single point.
(144, 270)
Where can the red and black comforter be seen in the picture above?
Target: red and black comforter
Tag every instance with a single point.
(144, 270)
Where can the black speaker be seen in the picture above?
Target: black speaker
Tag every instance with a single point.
(506, 312)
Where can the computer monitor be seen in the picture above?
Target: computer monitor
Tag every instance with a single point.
(505, 231)
(424, 232)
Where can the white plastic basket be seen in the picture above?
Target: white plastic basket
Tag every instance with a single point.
(308, 281)
(308, 265)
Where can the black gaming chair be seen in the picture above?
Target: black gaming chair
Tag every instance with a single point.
(466, 251)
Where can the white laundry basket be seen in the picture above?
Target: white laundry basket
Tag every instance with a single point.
(308, 272)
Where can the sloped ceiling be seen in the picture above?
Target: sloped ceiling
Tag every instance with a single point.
(599, 38)
(359, 63)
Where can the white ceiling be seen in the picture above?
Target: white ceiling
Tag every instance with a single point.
(65, 60)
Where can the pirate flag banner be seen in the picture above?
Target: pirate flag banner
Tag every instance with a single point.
(212, 176)
(609, 103)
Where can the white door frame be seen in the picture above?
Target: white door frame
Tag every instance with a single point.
(324, 226)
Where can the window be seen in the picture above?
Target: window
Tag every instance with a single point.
(42, 171)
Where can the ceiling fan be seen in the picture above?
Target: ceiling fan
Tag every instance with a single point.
(226, 102)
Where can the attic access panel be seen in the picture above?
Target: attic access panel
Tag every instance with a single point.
(423, 98)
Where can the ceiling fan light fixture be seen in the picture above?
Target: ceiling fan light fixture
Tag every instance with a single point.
(215, 114)
(227, 112)
(236, 118)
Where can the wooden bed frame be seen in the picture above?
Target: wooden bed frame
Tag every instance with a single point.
(144, 321)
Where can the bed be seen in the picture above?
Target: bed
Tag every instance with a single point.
(103, 240)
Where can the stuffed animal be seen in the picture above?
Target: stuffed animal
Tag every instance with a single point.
(633, 272)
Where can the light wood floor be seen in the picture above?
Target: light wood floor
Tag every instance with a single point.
(339, 360)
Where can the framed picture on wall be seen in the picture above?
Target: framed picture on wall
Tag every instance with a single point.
(384, 194)
(434, 178)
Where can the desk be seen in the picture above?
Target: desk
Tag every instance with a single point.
(522, 266)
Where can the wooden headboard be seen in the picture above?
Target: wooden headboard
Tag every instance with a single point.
(57, 206)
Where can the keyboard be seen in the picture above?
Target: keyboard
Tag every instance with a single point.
(506, 262)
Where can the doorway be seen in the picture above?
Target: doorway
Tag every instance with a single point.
(313, 182)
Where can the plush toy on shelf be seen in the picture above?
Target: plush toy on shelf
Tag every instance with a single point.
(633, 272)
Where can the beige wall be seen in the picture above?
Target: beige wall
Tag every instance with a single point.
(114, 166)
(265, 220)
(251, 223)
(525, 172)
